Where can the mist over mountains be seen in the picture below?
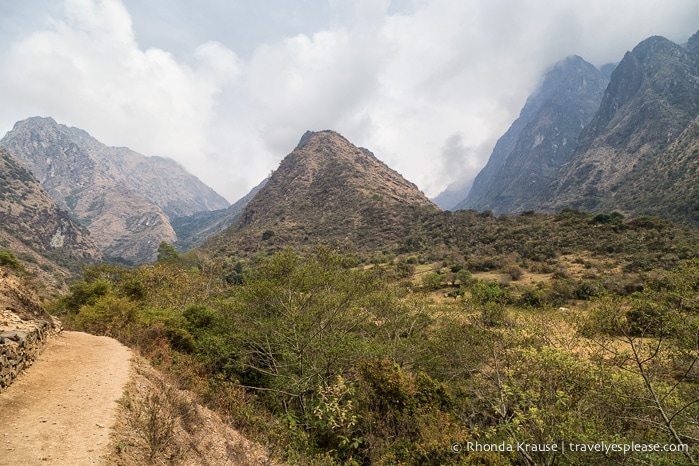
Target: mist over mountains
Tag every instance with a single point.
(627, 146)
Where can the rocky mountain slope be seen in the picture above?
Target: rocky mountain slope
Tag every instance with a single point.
(526, 159)
(326, 191)
(638, 152)
(125, 199)
(32, 225)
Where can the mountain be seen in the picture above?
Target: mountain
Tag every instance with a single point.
(526, 159)
(631, 156)
(33, 227)
(125, 199)
(325, 191)
(455, 193)
(194, 229)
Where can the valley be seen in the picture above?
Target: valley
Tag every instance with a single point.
(337, 316)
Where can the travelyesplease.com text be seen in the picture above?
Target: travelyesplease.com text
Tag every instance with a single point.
(566, 447)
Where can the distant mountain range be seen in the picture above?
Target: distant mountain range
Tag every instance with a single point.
(629, 146)
(629, 157)
(125, 199)
(528, 156)
(622, 138)
(194, 229)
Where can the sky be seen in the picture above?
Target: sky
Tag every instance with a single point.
(228, 87)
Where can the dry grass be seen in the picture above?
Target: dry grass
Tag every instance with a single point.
(159, 424)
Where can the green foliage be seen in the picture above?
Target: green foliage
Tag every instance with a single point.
(107, 315)
(490, 292)
(333, 363)
(167, 252)
(432, 281)
(9, 260)
(83, 294)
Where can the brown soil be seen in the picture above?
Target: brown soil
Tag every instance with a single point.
(59, 411)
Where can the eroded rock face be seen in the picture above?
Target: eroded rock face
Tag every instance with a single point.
(652, 99)
(31, 220)
(125, 199)
(526, 159)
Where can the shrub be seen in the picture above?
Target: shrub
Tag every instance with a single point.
(108, 315)
(490, 292)
(8, 259)
(514, 271)
(432, 281)
(83, 294)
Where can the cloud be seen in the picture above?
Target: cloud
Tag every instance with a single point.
(87, 70)
(427, 85)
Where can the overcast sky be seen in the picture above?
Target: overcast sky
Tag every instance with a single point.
(228, 87)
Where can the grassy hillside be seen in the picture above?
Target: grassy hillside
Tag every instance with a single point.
(529, 330)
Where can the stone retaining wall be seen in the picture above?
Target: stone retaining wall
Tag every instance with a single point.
(20, 343)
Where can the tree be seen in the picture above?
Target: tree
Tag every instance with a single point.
(167, 252)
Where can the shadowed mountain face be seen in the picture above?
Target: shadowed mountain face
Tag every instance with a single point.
(32, 224)
(527, 158)
(632, 148)
(192, 230)
(628, 150)
(326, 191)
(125, 199)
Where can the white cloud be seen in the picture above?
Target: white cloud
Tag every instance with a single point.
(427, 85)
(88, 71)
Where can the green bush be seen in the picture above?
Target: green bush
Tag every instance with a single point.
(8, 259)
(490, 292)
(432, 281)
(83, 294)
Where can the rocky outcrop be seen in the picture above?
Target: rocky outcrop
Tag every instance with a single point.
(31, 224)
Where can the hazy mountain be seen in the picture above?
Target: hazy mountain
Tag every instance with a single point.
(526, 159)
(455, 193)
(639, 150)
(194, 229)
(32, 225)
(124, 198)
(326, 191)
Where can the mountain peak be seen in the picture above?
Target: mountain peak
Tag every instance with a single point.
(124, 198)
(693, 43)
(526, 158)
(306, 136)
(327, 191)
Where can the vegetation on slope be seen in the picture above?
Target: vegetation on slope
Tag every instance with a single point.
(528, 330)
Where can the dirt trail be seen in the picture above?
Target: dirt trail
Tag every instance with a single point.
(59, 411)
